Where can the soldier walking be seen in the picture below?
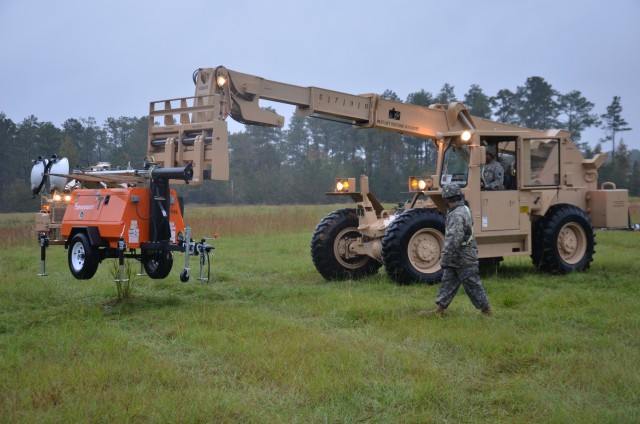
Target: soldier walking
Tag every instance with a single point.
(459, 257)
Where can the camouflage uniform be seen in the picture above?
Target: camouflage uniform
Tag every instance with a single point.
(460, 256)
(493, 173)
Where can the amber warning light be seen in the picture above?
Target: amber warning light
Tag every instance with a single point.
(345, 185)
(420, 183)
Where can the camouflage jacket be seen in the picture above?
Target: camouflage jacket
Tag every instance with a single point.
(460, 249)
(493, 176)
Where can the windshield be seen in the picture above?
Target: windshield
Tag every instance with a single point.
(455, 166)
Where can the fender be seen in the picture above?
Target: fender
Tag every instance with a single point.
(93, 233)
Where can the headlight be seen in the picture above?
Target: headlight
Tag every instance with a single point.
(221, 80)
(420, 183)
(345, 185)
(465, 136)
(67, 198)
(57, 197)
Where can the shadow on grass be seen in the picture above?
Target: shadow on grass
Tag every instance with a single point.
(382, 280)
(378, 279)
(137, 303)
(509, 271)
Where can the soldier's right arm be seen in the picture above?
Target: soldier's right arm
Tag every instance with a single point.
(454, 236)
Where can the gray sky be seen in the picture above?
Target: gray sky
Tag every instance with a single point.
(109, 58)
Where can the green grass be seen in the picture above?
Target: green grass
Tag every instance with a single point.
(268, 340)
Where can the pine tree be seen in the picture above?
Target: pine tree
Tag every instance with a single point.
(613, 123)
(478, 103)
(504, 106)
(536, 104)
(634, 181)
(421, 98)
(446, 94)
(577, 113)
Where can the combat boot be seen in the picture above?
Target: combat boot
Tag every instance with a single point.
(438, 311)
(488, 312)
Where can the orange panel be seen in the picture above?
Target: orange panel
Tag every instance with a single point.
(117, 211)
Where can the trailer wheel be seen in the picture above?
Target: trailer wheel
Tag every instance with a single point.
(412, 245)
(83, 258)
(563, 241)
(330, 248)
(157, 265)
(184, 276)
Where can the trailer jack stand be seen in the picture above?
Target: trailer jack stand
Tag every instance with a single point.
(204, 250)
(184, 275)
(203, 255)
(43, 240)
(141, 273)
(192, 248)
(122, 246)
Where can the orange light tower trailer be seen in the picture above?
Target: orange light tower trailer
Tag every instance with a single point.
(116, 218)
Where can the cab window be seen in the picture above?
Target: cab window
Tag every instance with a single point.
(455, 166)
(544, 163)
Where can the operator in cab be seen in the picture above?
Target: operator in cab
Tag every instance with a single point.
(493, 172)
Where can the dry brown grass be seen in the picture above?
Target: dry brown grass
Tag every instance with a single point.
(19, 229)
(255, 220)
(18, 235)
(227, 221)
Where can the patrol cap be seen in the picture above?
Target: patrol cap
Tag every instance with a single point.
(451, 192)
(491, 150)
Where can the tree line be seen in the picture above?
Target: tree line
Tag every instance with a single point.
(299, 163)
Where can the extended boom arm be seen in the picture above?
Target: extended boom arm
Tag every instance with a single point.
(242, 93)
(199, 134)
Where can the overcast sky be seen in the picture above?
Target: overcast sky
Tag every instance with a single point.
(109, 58)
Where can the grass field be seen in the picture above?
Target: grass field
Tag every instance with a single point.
(268, 340)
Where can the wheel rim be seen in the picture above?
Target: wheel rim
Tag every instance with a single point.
(572, 243)
(152, 265)
(78, 256)
(424, 250)
(341, 250)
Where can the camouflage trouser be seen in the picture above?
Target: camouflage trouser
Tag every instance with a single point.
(470, 280)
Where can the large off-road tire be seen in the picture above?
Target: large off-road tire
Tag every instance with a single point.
(412, 245)
(563, 240)
(157, 264)
(82, 257)
(330, 248)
